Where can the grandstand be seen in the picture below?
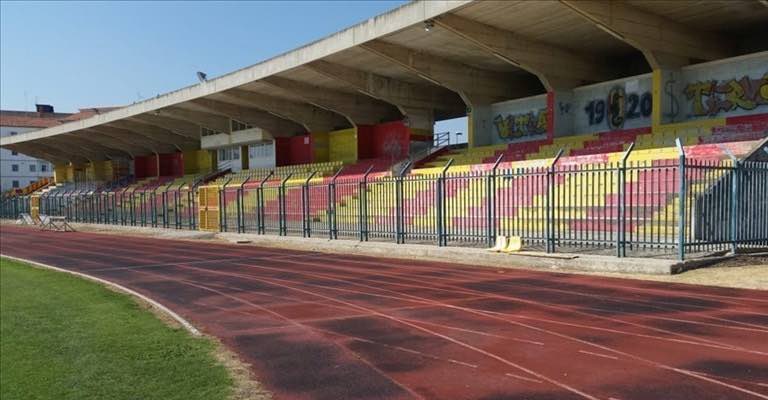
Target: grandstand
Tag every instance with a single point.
(659, 151)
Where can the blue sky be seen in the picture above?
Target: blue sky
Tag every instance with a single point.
(84, 54)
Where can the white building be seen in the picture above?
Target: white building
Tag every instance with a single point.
(18, 170)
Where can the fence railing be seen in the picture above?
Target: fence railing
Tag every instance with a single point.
(681, 208)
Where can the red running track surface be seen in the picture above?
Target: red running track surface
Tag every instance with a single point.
(330, 327)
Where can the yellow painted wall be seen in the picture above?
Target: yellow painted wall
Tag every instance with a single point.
(197, 161)
(60, 173)
(99, 171)
(342, 145)
(320, 146)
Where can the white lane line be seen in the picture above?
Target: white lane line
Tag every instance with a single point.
(524, 378)
(599, 354)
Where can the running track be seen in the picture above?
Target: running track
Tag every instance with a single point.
(332, 327)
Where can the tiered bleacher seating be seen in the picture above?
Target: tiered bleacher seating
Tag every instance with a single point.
(651, 192)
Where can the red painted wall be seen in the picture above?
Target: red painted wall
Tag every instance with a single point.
(145, 166)
(171, 164)
(365, 142)
(282, 151)
(301, 149)
(390, 139)
(293, 150)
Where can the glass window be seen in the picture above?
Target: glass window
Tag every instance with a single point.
(15, 184)
(15, 167)
(43, 168)
(32, 168)
(14, 133)
(14, 153)
(236, 153)
(238, 126)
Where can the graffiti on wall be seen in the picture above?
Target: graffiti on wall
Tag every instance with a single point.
(514, 126)
(713, 97)
(618, 107)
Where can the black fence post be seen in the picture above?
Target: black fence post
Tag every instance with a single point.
(490, 198)
(281, 217)
(621, 220)
(735, 203)
(550, 203)
(363, 206)
(333, 230)
(442, 239)
(241, 205)
(681, 203)
(305, 207)
(399, 217)
(223, 206)
(260, 215)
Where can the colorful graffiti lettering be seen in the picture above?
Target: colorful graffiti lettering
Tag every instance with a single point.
(619, 107)
(713, 97)
(515, 126)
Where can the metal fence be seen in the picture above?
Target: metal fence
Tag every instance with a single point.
(681, 208)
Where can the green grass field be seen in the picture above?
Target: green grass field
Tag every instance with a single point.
(62, 337)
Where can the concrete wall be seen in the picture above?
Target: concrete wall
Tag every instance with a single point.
(611, 106)
(725, 88)
(735, 87)
(519, 120)
(24, 176)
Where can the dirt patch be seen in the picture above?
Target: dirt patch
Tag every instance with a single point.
(743, 272)
(245, 385)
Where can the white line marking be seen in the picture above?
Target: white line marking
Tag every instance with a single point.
(598, 354)
(523, 378)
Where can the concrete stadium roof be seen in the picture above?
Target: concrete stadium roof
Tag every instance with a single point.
(390, 67)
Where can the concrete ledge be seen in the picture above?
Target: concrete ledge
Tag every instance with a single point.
(460, 255)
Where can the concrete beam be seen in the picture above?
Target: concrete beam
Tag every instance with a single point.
(665, 43)
(33, 150)
(358, 109)
(137, 137)
(276, 126)
(53, 151)
(313, 118)
(58, 142)
(161, 134)
(418, 102)
(556, 68)
(96, 139)
(474, 85)
(91, 146)
(185, 128)
(117, 142)
(208, 120)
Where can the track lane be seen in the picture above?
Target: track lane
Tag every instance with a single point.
(452, 339)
